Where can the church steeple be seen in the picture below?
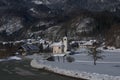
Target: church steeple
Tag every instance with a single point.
(65, 44)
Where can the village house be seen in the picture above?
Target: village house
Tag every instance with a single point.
(84, 44)
(60, 47)
(87, 44)
(28, 49)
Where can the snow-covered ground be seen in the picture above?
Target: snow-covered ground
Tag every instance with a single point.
(106, 69)
(11, 58)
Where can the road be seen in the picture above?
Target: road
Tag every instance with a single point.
(21, 70)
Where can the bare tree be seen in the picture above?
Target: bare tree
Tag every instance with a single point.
(95, 54)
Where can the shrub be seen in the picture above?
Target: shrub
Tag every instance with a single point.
(51, 58)
(70, 59)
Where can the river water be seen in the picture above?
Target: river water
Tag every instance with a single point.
(21, 70)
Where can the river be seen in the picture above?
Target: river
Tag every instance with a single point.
(21, 70)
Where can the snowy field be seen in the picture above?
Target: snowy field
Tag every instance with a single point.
(106, 69)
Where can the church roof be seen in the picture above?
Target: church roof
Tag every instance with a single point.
(57, 44)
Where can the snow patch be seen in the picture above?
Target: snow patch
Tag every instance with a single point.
(12, 26)
(11, 58)
(14, 58)
(38, 2)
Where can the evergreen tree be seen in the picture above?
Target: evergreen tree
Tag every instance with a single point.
(41, 47)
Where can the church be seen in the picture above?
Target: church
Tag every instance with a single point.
(60, 47)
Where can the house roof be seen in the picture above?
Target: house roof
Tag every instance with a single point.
(89, 42)
(30, 47)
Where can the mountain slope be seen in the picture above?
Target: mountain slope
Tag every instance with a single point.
(74, 18)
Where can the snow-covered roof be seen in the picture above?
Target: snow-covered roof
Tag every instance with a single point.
(56, 44)
(42, 41)
(88, 43)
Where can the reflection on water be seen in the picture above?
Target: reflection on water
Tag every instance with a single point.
(21, 70)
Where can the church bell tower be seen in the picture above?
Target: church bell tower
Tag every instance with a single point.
(65, 44)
